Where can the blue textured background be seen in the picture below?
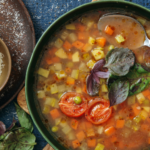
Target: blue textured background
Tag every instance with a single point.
(43, 13)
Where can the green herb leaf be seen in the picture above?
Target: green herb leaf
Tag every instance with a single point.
(119, 61)
(139, 68)
(119, 91)
(24, 118)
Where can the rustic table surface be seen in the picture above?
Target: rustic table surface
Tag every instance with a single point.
(43, 13)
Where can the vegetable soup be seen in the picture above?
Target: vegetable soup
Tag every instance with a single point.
(93, 85)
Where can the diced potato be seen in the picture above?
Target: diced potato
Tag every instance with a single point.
(70, 26)
(46, 109)
(99, 147)
(83, 146)
(61, 53)
(137, 119)
(61, 74)
(69, 88)
(146, 108)
(131, 100)
(91, 40)
(78, 90)
(71, 136)
(58, 66)
(141, 20)
(75, 57)
(40, 94)
(104, 88)
(83, 67)
(119, 38)
(98, 54)
(75, 74)
(51, 69)
(72, 37)
(91, 63)
(135, 127)
(100, 129)
(140, 97)
(50, 101)
(69, 64)
(57, 121)
(63, 123)
(90, 132)
(82, 76)
(87, 47)
(100, 48)
(54, 89)
(146, 102)
(89, 24)
(64, 34)
(86, 56)
(143, 114)
(61, 88)
(58, 43)
(128, 123)
(43, 72)
(110, 47)
(66, 129)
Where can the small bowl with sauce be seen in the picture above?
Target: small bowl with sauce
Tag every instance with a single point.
(5, 64)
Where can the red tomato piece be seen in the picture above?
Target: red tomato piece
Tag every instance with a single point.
(70, 108)
(98, 111)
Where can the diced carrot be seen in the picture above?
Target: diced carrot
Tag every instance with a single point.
(120, 123)
(52, 51)
(69, 55)
(146, 92)
(148, 97)
(81, 35)
(75, 144)
(74, 123)
(82, 126)
(145, 128)
(91, 142)
(88, 125)
(110, 131)
(135, 108)
(148, 140)
(80, 27)
(70, 80)
(49, 61)
(78, 44)
(110, 123)
(55, 113)
(113, 139)
(90, 132)
(86, 47)
(101, 41)
(84, 89)
(67, 45)
(67, 70)
(80, 136)
(120, 144)
(55, 59)
(109, 30)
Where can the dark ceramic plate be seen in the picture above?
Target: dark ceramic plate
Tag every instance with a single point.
(116, 5)
(16, 30)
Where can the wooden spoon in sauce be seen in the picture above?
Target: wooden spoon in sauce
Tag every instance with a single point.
(6, 62)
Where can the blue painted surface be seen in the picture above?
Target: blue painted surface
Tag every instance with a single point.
(43, 13)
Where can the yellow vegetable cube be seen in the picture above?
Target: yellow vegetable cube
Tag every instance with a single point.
(104, 88)
(143, 114)
(78, 90)
(50, 101)
(91, 40)
(70, 80)
(140, 97)
(41, 94)
(43, 72)
(61, 88)
(75, 74)
(64, 34)
(61, 53)
(131, 100)
(110, 47)
(119, 38)
(141, 20)
(54, 89)
(99, 147)
(146, 108)
(90, 23)
(58, 43)
(61, 74)
(58, 66)
(91, 63)
(86, 56)
(98, 54)
(46, 109)
(72, 37)
(87, 47)
(51, 69)
(83, 67)
(70, 27)
(75, 57)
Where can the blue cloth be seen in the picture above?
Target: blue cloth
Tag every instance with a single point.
(43, 13)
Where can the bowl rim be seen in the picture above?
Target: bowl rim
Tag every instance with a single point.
(37, 122)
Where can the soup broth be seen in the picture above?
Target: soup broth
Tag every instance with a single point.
(61, 86)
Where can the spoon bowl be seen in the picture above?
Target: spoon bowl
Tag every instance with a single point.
(5, 62)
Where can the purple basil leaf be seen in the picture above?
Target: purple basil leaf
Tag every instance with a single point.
(101, 74)
(2, 128)
(89, 84)
(96, 78)
(12, 125)
(99, 64)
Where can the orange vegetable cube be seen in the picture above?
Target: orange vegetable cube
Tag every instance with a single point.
(101, 41)
(148, 140)
(52, 51)
(88, 125)
(110, 131)
(120, 123)
(146, 93)
(49, 61)
(70, 80)
(136, 109)
(67, 45)
(69, 55)
(145, 128)
(113, 139)
(75, 144)
(78, 44)
(82, 35)
(109, 30)
(74, 123)
(80, 136)
(67, 70)
(91, 142)
(80, 27)
(55, 113)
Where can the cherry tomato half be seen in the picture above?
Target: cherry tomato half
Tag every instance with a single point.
(98, 111)
(69, 107)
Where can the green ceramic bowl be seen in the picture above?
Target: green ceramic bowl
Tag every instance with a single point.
(30, 75)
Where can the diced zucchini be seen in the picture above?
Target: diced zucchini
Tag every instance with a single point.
(57, 121)
(99, 147)
(40, 94)
(137, 119)
(135, 127)
(119, 38)
(46, 109)
(66, 129)
(83, 67)
(146, 102)
(146, 108)
(50, 101)
(83, 146)
(71, 136)
(55, 129)
(72, 37)
(143, 114)
(75, 74)
(78, 90)
(141, 20)
(43, 72)
(61, 53)
(91, 63)
(51, 69)
(86, 56)
(140, 97)
(61, 74)
(131, 100)
(102, 81)
(63, 123)
(98, 54)
(110, 47)
(100, 129)
(91, 40)
(70, 26)
(61, 88)
(58, 43)
(58, 66)
(104, 88)
(64, 34)
(54, 88)
(75, 57)
(128, 123)
(60, 95)
(69, 64)
(89, 24)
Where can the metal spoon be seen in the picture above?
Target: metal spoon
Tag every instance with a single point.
(6, 70)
